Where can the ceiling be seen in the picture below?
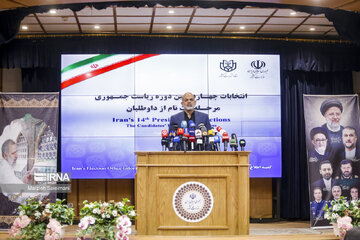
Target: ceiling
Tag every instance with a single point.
(182, 20)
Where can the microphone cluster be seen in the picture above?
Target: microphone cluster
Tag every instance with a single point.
(192, 138)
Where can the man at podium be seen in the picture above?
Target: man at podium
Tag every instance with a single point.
(188, 102)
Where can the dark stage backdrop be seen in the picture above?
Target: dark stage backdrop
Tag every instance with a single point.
(307, 68)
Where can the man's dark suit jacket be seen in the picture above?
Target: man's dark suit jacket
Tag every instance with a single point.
(199, 118)
(320, 183)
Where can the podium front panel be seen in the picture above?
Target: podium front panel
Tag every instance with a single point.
(192, 193)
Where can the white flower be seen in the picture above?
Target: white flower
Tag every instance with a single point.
(336, 207)
(334, 215)
(114, 213)
(346, 204)
(83, 225)
(103, 215)
(94, 211)
(105, 204)
(326, 216)
(119, 204)
(22, 213)
(37, 215)
(91, 220)
(47, 210)
(124, 221)
(132, 213)
(127, 231)
(47, 206)
(107, 215)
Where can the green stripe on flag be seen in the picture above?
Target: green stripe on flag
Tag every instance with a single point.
(86, 61)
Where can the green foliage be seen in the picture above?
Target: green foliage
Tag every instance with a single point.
(342, 208)
(104, 216)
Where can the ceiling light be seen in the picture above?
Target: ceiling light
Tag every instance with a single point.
(97, 27)
(169, 27)
(312, 29)
(52, 11)
(242, 27)
(293, 13)
(24, 27)
(171, 11)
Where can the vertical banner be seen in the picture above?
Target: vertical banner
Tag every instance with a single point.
(332, 128)
(28, 140)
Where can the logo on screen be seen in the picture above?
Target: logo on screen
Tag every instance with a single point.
(258, 69)
(258, 64)
(94, 65)
(228, 66)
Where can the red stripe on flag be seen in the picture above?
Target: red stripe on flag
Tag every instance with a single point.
(99, 71)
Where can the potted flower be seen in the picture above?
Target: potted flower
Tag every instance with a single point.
(109, 220)
(343, 215)
(41, 220)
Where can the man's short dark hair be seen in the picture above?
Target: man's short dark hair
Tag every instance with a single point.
(355, 188)
(328, 103)
(351, 128)
(5, 146)
(317, 130)
(317, 188)
(346, 161)
(324, 162)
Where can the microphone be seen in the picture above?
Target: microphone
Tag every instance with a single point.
(204, 131)
(211, 140)
(242, 144)
(164, 140)
(233, 142)
(176, 142)
(192, 139)
(225, 140)
(180, 132)
(185, 139)
(172, 134)
(217, 143)
(215, 131)
(184, 124)
(199, 140)
(220, 130)
(174, 127)
(192, 125)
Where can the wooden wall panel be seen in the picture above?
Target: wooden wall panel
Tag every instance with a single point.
(117, 189)
(91, 190)
(261, 197)
(73, 197)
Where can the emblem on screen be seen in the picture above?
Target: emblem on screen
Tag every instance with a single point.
(193, 201)
(228, 66)
(258, 69)
(258, 64)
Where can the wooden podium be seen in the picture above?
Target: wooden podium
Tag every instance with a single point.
(192, 193)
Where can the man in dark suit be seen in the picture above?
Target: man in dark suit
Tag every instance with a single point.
(350, 150)
(188, 102)
(326, 182)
